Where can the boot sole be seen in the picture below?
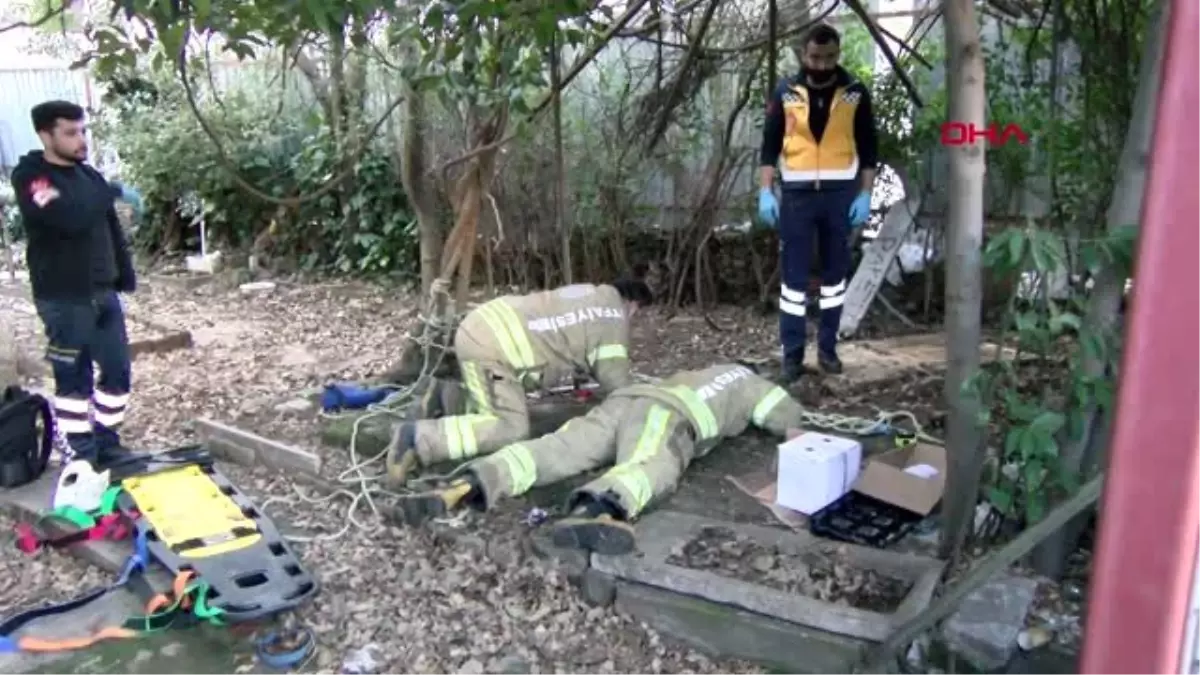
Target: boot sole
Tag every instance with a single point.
(416, 510)
(605, 538)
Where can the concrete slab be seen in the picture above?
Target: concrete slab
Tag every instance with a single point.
(724, 631)
(183, 280)
(169, 342)
(663, 531)
(875, 360)
(30, 501)
(984, 629)
(246, 447)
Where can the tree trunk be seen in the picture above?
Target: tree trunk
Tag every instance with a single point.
(421, 194)
(964, 295)
(560, 170)
(1084, 453)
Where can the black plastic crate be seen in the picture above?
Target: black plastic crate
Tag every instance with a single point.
(860, 519)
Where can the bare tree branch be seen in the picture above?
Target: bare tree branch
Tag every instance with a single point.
(576, 68)
(45, 18)
(856, 7)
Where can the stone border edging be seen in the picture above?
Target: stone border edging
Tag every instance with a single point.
(244, 447)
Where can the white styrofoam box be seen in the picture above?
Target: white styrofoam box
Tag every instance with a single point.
(204, 264)
(816, 469)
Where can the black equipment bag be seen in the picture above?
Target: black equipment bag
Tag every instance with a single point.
(24, 453)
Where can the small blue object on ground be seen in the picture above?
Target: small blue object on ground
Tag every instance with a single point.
(285, 649)
(351, 397)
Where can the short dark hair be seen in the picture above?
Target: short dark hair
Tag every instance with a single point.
(822, 34)
(46, 115)
(634, 290)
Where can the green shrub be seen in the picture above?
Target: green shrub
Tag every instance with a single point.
(283, 150)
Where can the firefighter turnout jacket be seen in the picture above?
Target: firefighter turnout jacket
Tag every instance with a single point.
(519, 343)
(649, 433)
(820, 137)
(721, 401)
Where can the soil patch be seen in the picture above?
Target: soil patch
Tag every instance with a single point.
(822, 573)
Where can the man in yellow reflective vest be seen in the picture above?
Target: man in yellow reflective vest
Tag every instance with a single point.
(820, 130)
(650, 433)
(511, 345)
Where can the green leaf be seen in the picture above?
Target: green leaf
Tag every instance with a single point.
(1048, 423)
(1016, 247)
(1063, 320)
(1035, 507)
(1001, 499)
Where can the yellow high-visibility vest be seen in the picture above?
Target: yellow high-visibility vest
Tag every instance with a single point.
(835, 157)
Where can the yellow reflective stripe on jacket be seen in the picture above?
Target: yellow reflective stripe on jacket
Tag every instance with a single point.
(507, 328)
(517, 329)
(500, 332)
(631, 473)
(461, 442)
(766, 404)
(522, 470)
(699, 411)
(607, 352)
(473, 380)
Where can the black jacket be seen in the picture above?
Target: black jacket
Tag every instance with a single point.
(70, 219)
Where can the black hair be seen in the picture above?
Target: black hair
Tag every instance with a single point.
(46, 115)
(634, 290)
(822, 34)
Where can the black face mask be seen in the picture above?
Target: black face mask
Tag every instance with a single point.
(820, 75)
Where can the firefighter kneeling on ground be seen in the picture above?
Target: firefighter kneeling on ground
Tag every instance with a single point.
(650, 433)
(506, 347)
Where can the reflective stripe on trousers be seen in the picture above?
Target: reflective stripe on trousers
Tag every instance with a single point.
(698, 410)
(631, 474)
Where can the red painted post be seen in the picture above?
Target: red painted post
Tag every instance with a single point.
(1150, 516)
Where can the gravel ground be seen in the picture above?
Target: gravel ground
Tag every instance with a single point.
(415, 602)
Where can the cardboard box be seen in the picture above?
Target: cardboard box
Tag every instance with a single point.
(814, 470)
(912, 478)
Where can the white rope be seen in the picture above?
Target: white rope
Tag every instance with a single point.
(359, 486)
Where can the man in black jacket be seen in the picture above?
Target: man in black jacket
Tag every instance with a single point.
(78, 262)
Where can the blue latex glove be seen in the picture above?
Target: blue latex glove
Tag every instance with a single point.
(130, 196)
(860, 209)
(768, 208)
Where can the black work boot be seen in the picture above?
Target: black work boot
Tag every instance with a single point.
(793, 369)
(830, 363)
(416, 509)
(597, 525)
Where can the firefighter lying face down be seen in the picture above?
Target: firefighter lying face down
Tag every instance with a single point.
(650, 433)
(506, 347)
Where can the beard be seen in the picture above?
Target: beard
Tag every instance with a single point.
(76, 154)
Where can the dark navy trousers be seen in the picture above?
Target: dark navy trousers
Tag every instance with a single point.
(88, 410)
(806, 216)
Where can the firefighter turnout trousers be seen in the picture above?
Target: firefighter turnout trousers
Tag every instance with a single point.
(88, 410)
(806, 215)
(494, 411)
(649, 445)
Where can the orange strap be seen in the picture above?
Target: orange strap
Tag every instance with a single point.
(178, 593)
(33, 644)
